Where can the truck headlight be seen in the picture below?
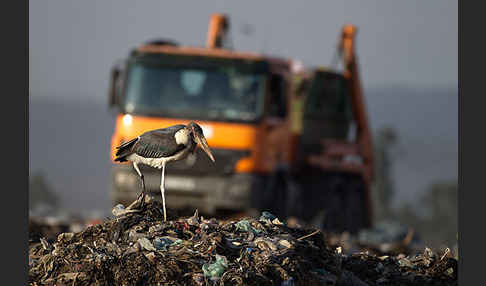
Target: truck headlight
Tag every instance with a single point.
(127, 120)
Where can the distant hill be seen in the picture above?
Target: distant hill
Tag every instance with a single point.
(70, 141)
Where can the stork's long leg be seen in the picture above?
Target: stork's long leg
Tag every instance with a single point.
(142, 194)
(162, 189)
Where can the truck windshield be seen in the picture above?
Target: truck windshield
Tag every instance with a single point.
(199, 92)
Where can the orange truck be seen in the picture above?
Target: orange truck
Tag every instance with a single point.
(270, 154)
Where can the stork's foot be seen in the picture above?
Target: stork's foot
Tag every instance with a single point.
(139, 203)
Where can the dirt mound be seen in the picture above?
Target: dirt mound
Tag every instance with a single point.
(141, 249)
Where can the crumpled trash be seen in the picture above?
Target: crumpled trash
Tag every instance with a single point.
(120, 210)
(285, 243)
(134, 235)
(404, 262)
(162, 243)
(265, 244)
(428, 256)
(244, 225)
(267, 216)
(150, 256)
(270, 218)
(46, 245)
(146, 244)
(208, 224)
(276, 221)
(194, 220)
(66, 236)
(232, 243)
(216, 269)
(428, 253)
(198, 278)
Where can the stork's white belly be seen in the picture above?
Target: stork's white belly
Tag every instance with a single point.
(157, 162)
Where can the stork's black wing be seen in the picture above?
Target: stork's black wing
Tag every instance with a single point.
(124, 150)
(158, 143)
(152, 144)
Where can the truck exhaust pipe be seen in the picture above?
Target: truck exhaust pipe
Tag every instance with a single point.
(217, 31)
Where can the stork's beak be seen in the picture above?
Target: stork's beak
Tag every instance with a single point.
(201, 140)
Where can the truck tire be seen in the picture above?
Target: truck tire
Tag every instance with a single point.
(333, 201)
(275, 198)
(354, 203)
(334, 204)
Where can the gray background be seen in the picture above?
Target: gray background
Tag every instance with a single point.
(407, 52)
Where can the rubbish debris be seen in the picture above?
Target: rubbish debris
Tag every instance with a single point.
(267, 217)
(146, 244)
(244, 225)
(216, 269)
(139, 248)
(120, 210)
(162, 243)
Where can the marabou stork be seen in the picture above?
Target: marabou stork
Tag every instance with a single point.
(158, 147)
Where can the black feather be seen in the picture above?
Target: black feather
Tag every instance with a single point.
(124, 150)
(159, 143)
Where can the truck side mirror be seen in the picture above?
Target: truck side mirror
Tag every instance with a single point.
(113, 93)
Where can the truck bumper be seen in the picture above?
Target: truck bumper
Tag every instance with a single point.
(206, 193)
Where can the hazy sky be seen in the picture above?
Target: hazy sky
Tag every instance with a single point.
(72, 44)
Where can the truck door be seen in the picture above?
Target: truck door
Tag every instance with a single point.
(274, 128)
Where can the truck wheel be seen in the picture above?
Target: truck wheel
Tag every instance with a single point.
(275, 199)
(354, 203)
(269, 193)
(335, 203)
(344, 204)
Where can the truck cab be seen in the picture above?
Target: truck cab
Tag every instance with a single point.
(295, 148)
(239, 100)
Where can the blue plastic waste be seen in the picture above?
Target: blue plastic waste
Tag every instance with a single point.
(216, 269)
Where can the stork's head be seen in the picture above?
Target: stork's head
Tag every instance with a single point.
(198, 135)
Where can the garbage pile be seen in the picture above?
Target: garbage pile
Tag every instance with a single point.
(139, 248)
